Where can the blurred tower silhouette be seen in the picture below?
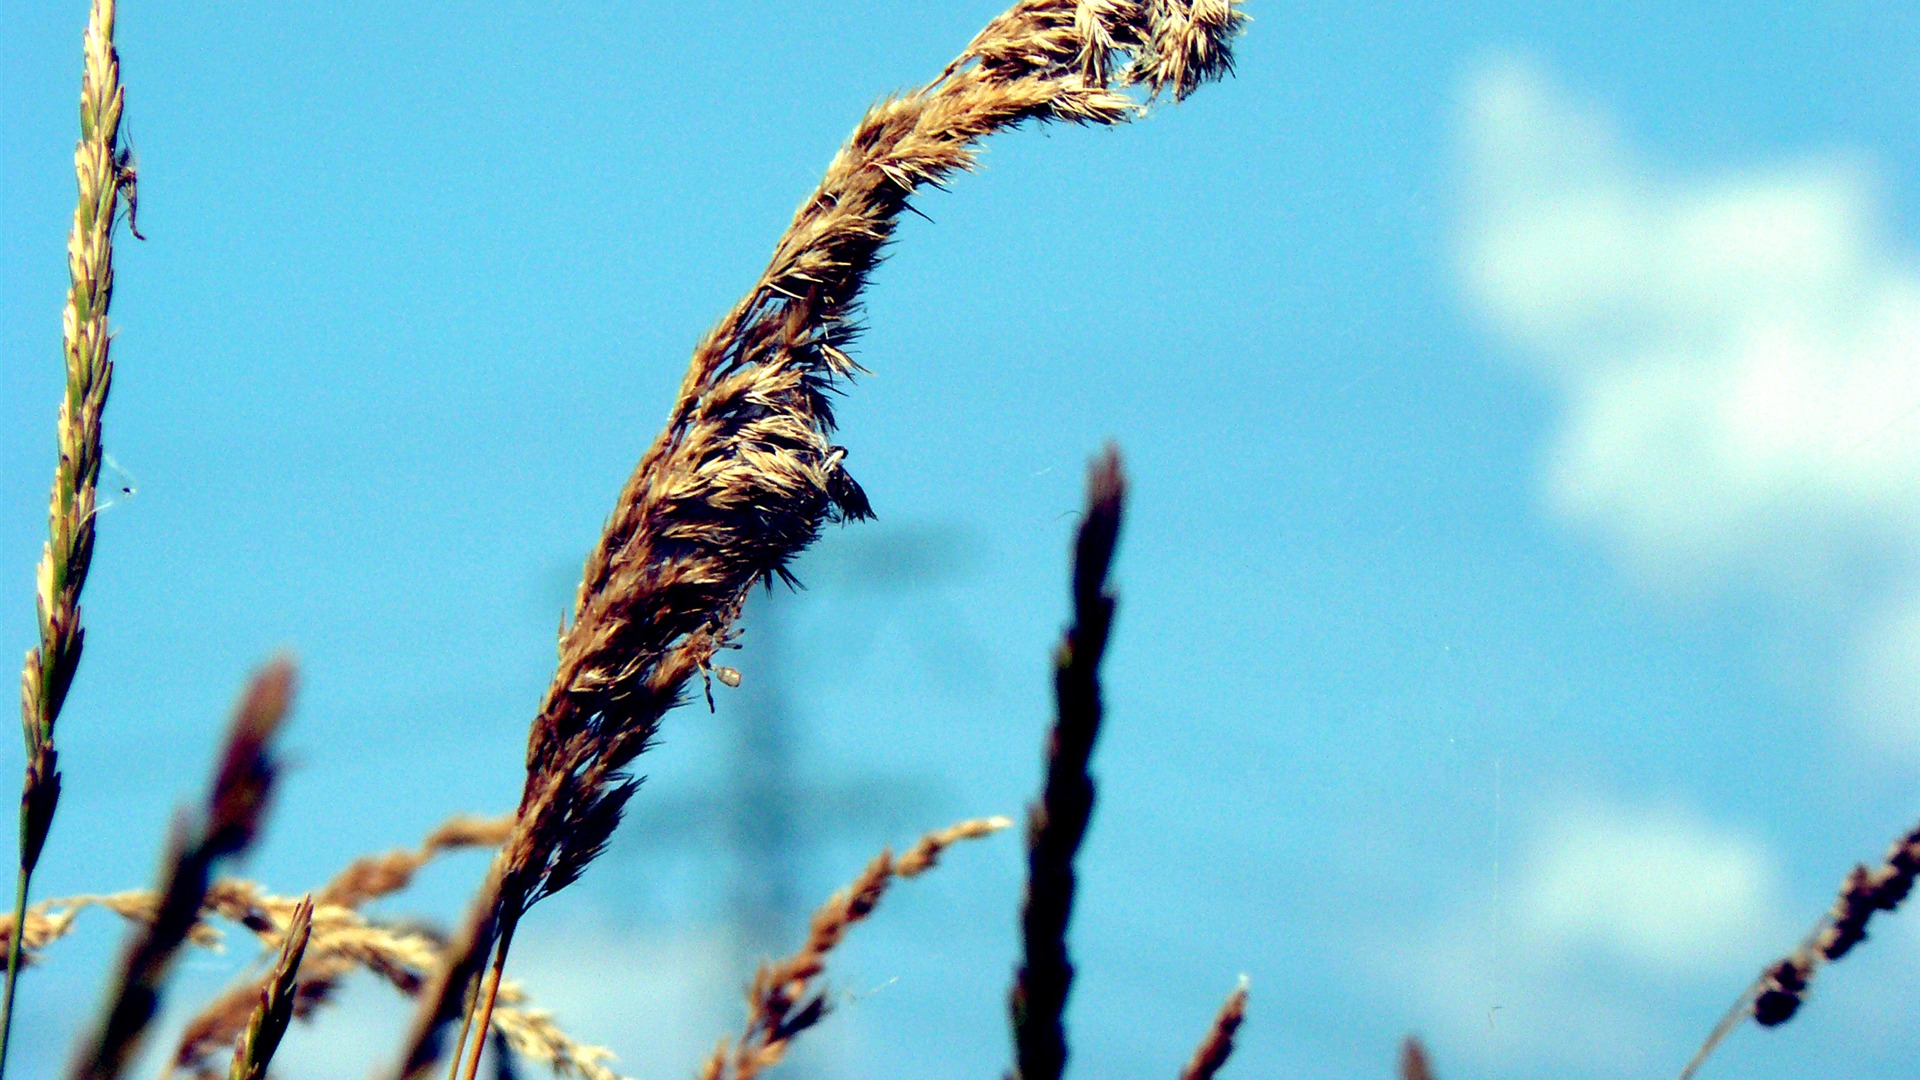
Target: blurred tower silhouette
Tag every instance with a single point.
(764, 804)
(764, 819)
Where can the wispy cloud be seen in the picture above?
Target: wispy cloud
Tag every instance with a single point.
(1656, 889)
(1737, 358)
(1611, 911)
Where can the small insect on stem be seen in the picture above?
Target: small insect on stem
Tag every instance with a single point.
(727, 675)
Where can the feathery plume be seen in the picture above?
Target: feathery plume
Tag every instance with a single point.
(50, 920)
(533, 1035)
(233, 814)
(1214, 1050)
(103, 168)
(339, 940)
(1190, 43)
(781, 1001)
(745, 474)
(1058, 822)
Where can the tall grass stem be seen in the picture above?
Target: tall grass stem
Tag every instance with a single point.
(103, 169)
(1057, 822)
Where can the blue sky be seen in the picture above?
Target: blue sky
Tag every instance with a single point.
(1521, 585)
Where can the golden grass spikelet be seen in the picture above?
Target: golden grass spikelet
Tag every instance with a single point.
(344, 941)
(925, 854)
(376, 876)
(746, 474)
(42, 929)
(781, 1001)
(52, 919)
(234, 899)
(254, 1050)
(532, 1034)
(341, 939)
(1190, 44)
(1217, 1046)
(347, 940)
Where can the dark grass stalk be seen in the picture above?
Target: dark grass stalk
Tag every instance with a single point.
(1781, 989)
(268, 1023)
(746, 475)
(105, 174)
(235, 808)
(1217, 1046)
(1057, 824)
(1413, 1061)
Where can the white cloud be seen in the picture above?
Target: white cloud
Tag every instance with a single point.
(1882, 677)
(1611, 910)
(1656, 889)
(1737, 357)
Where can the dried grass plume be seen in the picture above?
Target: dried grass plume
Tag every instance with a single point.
(746, 473)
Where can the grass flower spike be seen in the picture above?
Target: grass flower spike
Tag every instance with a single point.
(103, 169)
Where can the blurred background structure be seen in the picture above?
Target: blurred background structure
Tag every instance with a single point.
(768, 823)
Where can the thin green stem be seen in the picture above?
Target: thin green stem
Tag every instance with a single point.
(21, 883)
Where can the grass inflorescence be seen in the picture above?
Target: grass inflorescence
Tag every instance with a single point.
(104, 171)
